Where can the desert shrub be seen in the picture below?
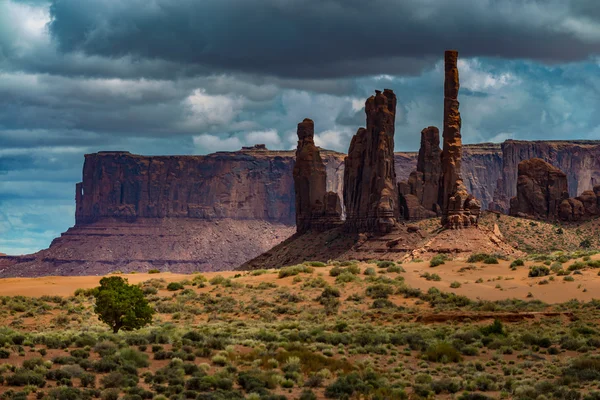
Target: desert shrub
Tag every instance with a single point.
(346, 277)
(382, 303)
(379, 291)
(568, 279)
(576, 266)
(583, 369)
(446, 385)
(255, 381)
(134, 357)
(385, 264)
(395, 269)
(220, 280)
(538, 270)
(24, 377)
(437, 260)
(118, 379)
(174, 286)
(32, 363)
(443, 352)
(154, 271)
(517, 263)
(105, 348)
(431, 277)
(317, 264)
(295, 270)
(4, 353)
(307, 395)
(477, 257)
(110, 394)
(455, 285)
(329, 298)
(370, 272)
(88, 380)
(496, 328)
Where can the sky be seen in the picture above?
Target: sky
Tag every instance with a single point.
(197, 76)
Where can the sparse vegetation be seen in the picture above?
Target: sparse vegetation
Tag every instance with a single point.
(357, 334)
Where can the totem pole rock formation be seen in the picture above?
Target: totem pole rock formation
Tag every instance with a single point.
(541, 189)
(370, 192)
(459, 209)
(429, 168)
(316, 208)
(419, 196)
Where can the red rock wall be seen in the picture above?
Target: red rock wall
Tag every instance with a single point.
(580, 160)
(489, 172)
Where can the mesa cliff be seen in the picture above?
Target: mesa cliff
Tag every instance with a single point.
(252, 229)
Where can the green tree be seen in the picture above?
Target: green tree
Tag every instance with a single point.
(120, 305)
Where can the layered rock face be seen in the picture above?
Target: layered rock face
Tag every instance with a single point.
(419, 196)
(579, 159)
(223, 185)
(541, 188)
(315, 208)
(370, 193)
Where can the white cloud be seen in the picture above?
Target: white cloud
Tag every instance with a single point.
(206, 143)
(269, 137)
(210, 110)
(333, 140)
(474, 77)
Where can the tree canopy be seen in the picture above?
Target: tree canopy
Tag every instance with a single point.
(121, 305)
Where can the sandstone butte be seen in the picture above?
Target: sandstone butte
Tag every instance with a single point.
(542, 193)
(370, 193)
(316, 208)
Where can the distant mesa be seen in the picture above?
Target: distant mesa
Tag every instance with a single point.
(256, 147)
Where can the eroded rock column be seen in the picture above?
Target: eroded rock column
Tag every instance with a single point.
(452, 147)
(370, 193)
(316, 208)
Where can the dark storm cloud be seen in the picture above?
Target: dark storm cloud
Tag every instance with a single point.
(316, 38)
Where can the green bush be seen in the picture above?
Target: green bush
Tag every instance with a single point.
(442, 352)
(431, 277)
(154, 271)
(538, 270)
(395, 269)
(477, 257)
(437, 260)
(317, 264)
(379, 291)
(496, 328)
(173, 286)
(576, 266)
(385, 264)
(455, 285)
(370, 272)
(295, 270)
(24, 377)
